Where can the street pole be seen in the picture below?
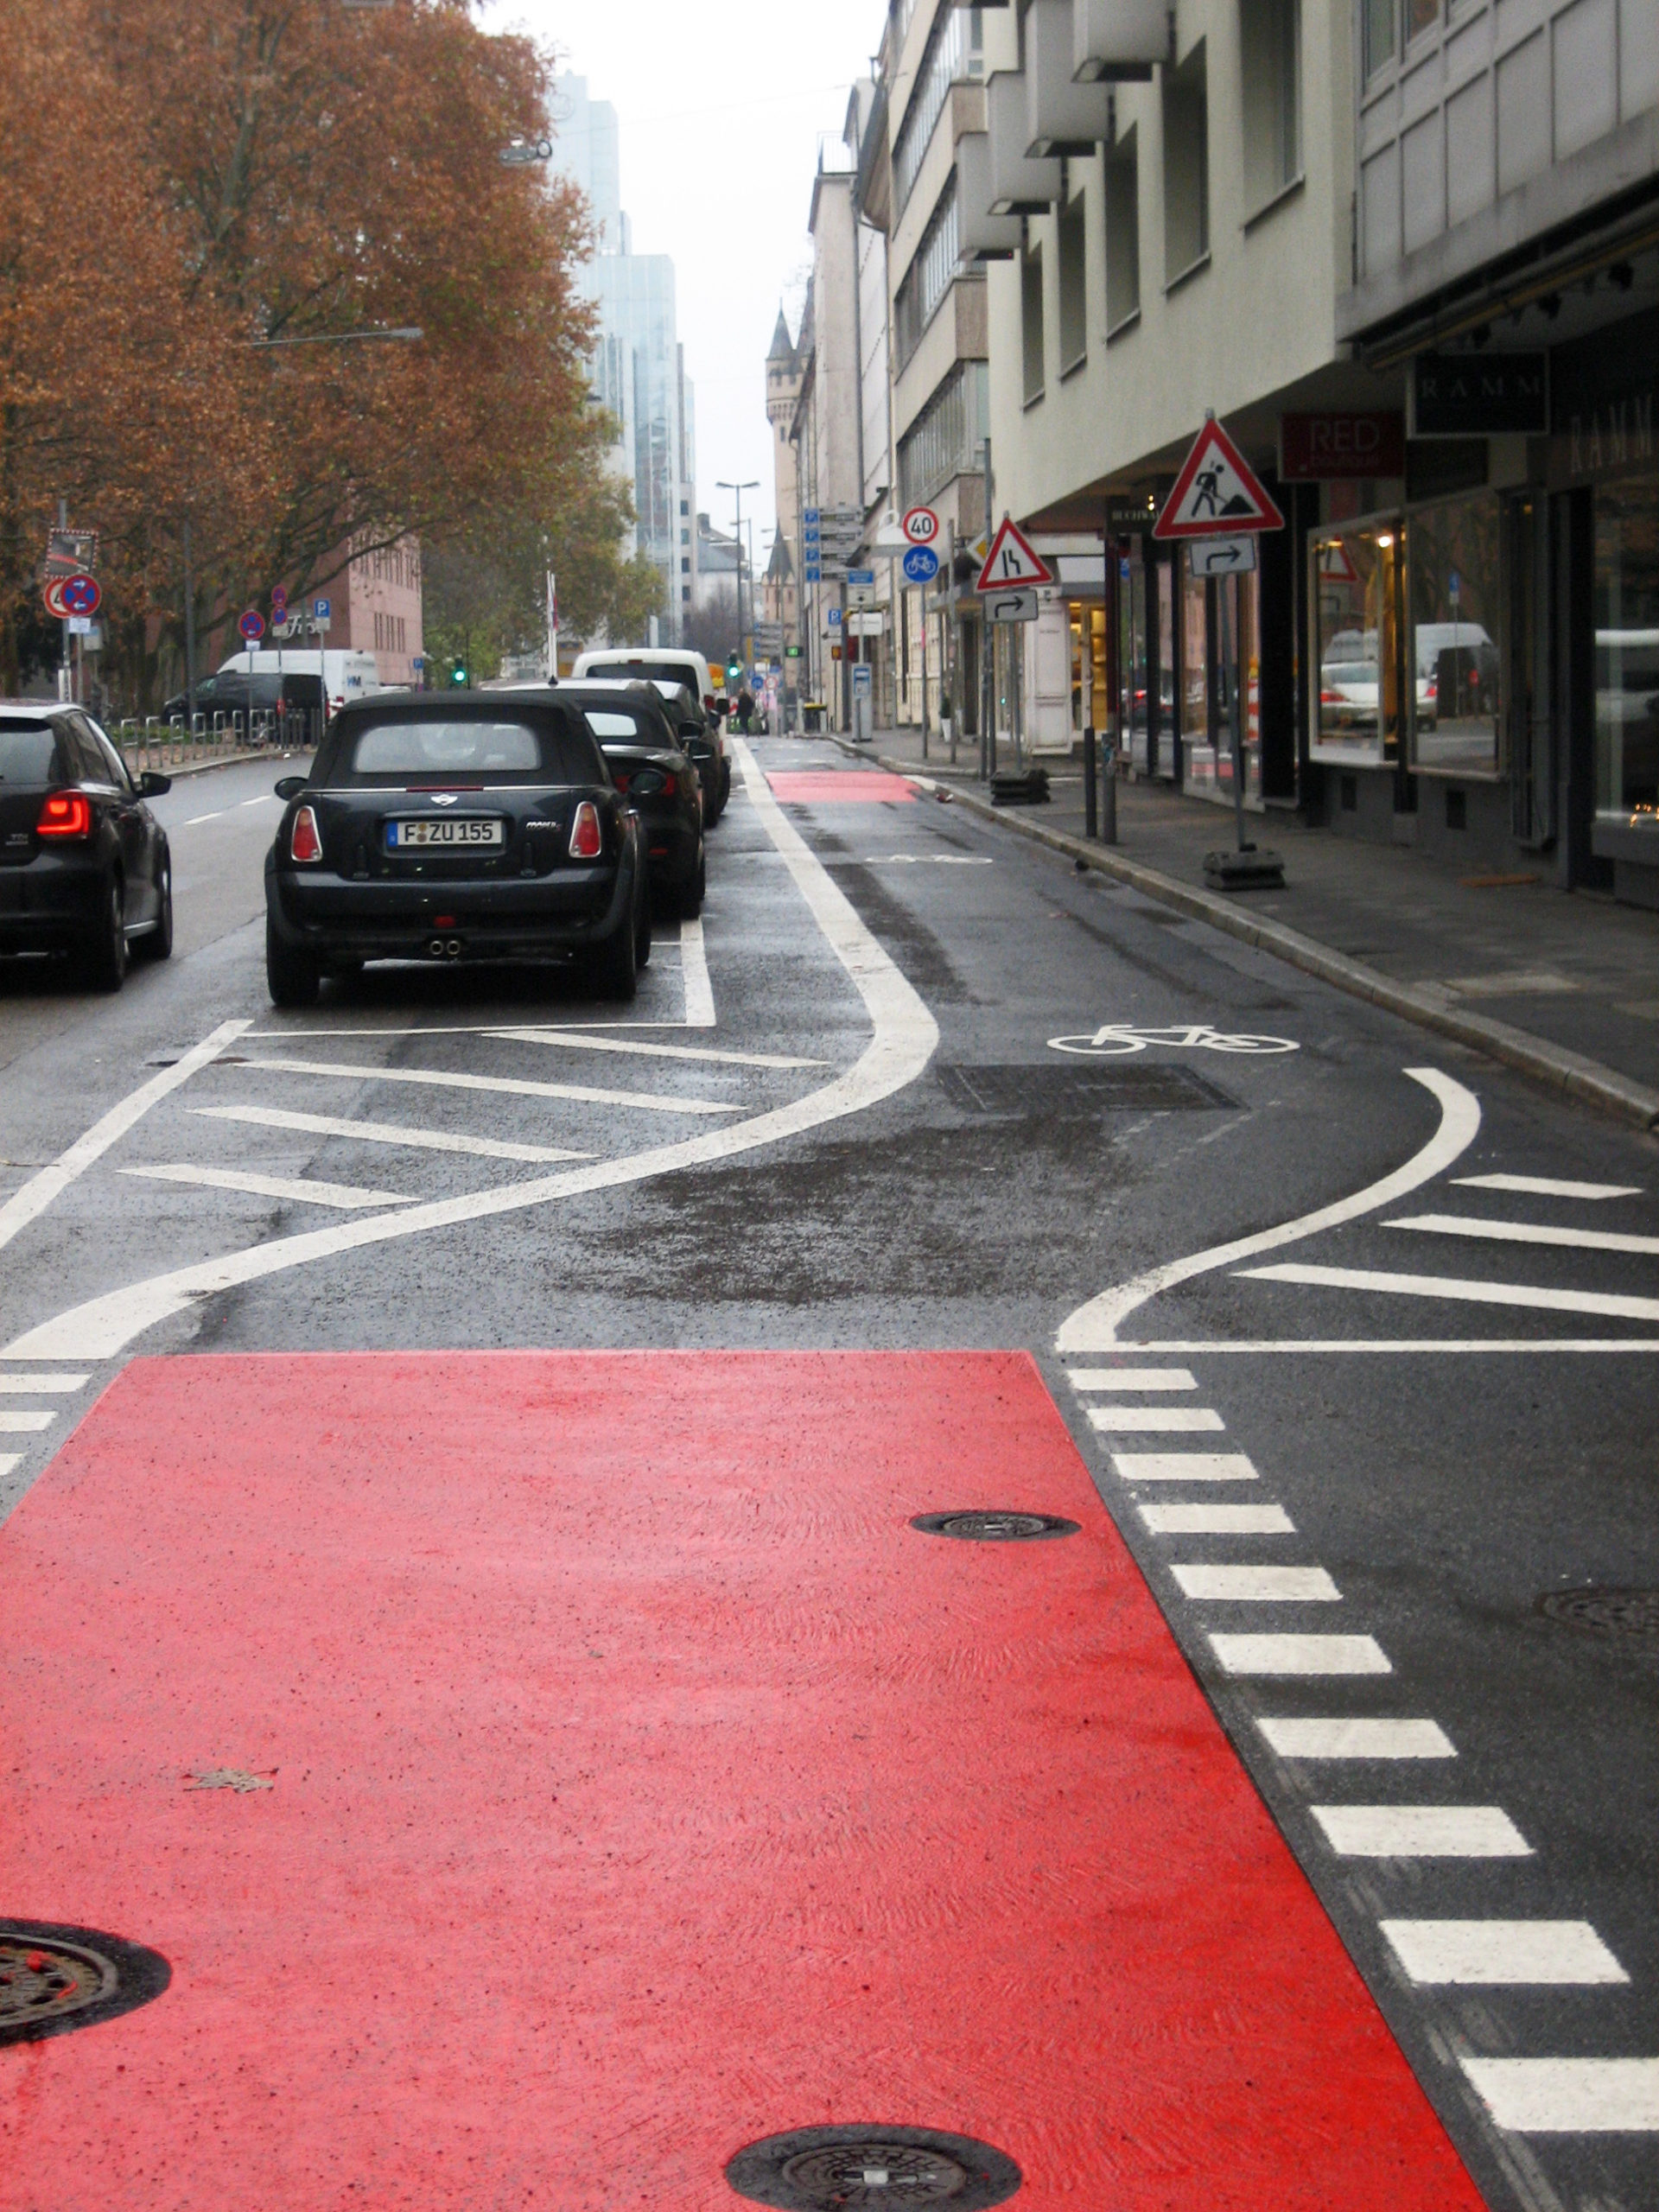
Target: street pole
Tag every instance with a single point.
(190, 635)
(737, 490)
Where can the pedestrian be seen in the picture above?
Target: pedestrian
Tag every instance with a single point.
(745, 709)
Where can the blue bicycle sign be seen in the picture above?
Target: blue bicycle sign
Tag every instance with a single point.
(921, 565)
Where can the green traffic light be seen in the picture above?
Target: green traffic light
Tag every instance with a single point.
(459, 676)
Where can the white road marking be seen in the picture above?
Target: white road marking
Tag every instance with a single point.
(512, 1086)
(1537, 1296)
(43, 1386)
(10, 1462)
(457, 1029)
(1525, 1232)
(1183, 1467)
(699, 991)
(1421, 1832)
(1503, 1954)
(1529, 1345)
(1275, 1586)
(574, 1041)
(324, 1125)
(924, 860)
(343, 1196)
(195, 818)
(1174, 1420)
(36, 1195)
(1547, 1186)
(25, 1424)
(1094, 1327)
(1300, 1655)
(1569, 2096)
(1133, 1378)
(1216, 1519)
(265, 799)
(1357, 1740)
(904, 1040)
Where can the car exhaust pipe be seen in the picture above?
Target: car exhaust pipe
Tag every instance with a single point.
(452, 951)
(436, 948)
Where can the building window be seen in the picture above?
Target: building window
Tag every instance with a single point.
(947, 437)
(1627, 650)
(1421, 15)
(1186, 166)
(1270, 38)
(1031, 322)
(1381, 17)
(1356, 586)
(955, 51)
(929, 278)
(1454, 566)
(1123, 233)
(1073, 259)
(685, 565)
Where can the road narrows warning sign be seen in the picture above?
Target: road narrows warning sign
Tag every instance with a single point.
(1012, 561)
(1218, 493)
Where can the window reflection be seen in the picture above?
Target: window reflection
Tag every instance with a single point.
(1356, 596)
(1456, 597)
(1627, 650)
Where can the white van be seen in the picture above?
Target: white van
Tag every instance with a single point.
(647, 664)
(348, 676)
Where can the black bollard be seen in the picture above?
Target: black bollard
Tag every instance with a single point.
(1090, 777)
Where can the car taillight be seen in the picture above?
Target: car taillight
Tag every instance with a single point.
(586, 837)
(66, 814)
(306, 843)
(619, 780)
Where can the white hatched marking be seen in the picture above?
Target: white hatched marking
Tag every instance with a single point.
(1569, 2096)
(44, 1386)
(1300, 1655)
(324, 1125)
(10, 1462)
(1503, 1954)
(1133, 1378)
(1173, 1420)
(1217, 1520)
(1357, 1740)
(576, 1043)
(1547, 1187)
(1271, 1585)
(1183, 1467)
(341, 1195)
(649, 1101)
(25, 1424)
(1421, 1832)
(1525, 1232)
(1536, 1297)
(694, 964)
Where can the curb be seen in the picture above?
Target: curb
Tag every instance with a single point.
(1552, 1065)
(207, 767)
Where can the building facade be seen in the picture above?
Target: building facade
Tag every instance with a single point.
(376, 606)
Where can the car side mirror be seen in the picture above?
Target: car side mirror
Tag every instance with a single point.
(291, 787)
(150, 785)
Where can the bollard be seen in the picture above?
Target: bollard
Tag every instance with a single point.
(1090, 786)
(1108, 797)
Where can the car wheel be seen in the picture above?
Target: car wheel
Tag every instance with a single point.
(642, 933)
(292, 978)
(158, 945)
(106, 950)
(692, 897)
(616, 965)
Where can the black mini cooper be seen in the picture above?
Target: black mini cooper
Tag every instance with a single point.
(451, 829)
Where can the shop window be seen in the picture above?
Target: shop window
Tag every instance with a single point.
(1456, 574)
(1074, 287)
(1122, 233)
(1381, 35)
(1355, 596)
(1270, 48)
(1186, 166)
(1090, 697)
(1627, 651)
(1031, 322)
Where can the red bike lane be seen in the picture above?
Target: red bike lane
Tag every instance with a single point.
(643, 1785)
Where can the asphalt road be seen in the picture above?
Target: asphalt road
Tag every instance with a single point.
(913, 1086)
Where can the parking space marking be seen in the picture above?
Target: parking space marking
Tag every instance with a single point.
(1183, 1467)
(342, 1196)
(1507, 1954)
(1216, 1519)
(699, 989)
(1271, 1585)
(43, 1386)
(10, 1462)
(1306, 1738)
(1569, 2096)
(512, 1086)
(1312, 1656)
(16, 1424)
(573, 1041)
(1421, 1832)
(1547, 1186)
(1173, 1421)
(390, 1133)
(1133, 1378)
(1525, 1232)
(1535, 1297)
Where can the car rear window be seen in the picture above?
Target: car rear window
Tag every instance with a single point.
(510, 748)
(28, 753)
(606, 721)
(641, 671)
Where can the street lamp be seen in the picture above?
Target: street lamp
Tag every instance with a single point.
(739, 489)
(408, 335)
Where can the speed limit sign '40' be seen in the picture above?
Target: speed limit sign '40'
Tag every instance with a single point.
(921, 526)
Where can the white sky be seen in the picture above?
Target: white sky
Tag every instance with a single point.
(723, 105)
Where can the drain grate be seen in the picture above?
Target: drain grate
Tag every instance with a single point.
(54, 1980)
(823, 2169)
(1009, 1527)
(1629, 1616)
(1044, 1093)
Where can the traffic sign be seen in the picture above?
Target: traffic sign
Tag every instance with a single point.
(1012, 561)
(322, 610)
(252, 625)
(71, 553)
(81, 595)
(54, 597)
(1218, 493)
(1222, 556)
(835, 618)
(921, 525)
(921, 565)
(863, 579)
(279, 603)
(1012, 605)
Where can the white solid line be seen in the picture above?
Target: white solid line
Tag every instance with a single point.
(903, 1038)
(699, 991)
(1272, 1586)
(43, 1386)
(650, 1102)
(1458, 1346)
(1183, 1467)
(1357, 1740)
(1216, 1519)
(1569, 2096)
(10, 1462)
(1525, 1232)
(1546, 1186)
(343, 1196)
(37, 1194)
(1536, 1296)
(459, 1029)
(1175, 1421)
(325, 1125)
(196, 818)
(1503, 1954)
(1133, 1378)
(575, 1042)
(25, 1424)
(1300, 1655)
(1094, 1327)
(1421, 1832)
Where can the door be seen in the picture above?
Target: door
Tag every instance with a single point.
(132, 818)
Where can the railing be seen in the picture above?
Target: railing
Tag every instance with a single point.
(167, 746)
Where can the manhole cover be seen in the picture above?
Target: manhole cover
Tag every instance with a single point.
(54, 1980)
(820, 2169)
(1631, 1615)
(995, 1527)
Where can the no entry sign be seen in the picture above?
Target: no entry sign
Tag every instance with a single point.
(81, 595)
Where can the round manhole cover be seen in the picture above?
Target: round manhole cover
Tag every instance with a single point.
(821, 2169)
(1630, 1616)
(995, 1527)
(54, 1980)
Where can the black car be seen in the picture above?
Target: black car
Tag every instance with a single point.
(659, 781)
(84, 864)
(703, 736)
(446, 829)
(232, 691)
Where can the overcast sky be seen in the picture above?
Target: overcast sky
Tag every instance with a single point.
(723, 106)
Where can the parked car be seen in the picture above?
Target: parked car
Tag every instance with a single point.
(659, 780)
(84, 868)
(455, 828)
(649, 664)
(349, 676)
(232, 692)
(702, 733)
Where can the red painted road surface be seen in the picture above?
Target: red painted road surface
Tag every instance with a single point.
(643, 1785)
(829, 787)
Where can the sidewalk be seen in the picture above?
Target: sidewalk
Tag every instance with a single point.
(1564, 985)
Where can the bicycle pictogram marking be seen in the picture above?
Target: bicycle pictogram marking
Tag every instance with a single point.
(1117, 1039)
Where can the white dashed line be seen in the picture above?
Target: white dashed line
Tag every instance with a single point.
(392, 1133)
(25, 1424)
(1217, 1520)
(694, 965)
(1283, 1656)
(1525, 1232)
(1183, 1467)
(1173, 1421)
(265, 799)
(1569, 2096)
(1545, 1186)
(43, 1386)
(1357, 1740)
(1421, 1832)
(1270, 1585)
(1536, 1297)
(649, 1101)
(341, 1195)
(10, 1462)
(1133, 1378)
(196, 818)
(1503, 1954)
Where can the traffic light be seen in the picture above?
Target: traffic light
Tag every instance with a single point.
(458, 675)
(735, 674)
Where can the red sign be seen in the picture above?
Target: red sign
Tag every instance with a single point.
(81, 595)
(252, 625)
(921, 525)
(54, 597)
(1336, 449)
(1013, 563)
(1218, 493)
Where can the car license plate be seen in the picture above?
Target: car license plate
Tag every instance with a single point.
(448, 831)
